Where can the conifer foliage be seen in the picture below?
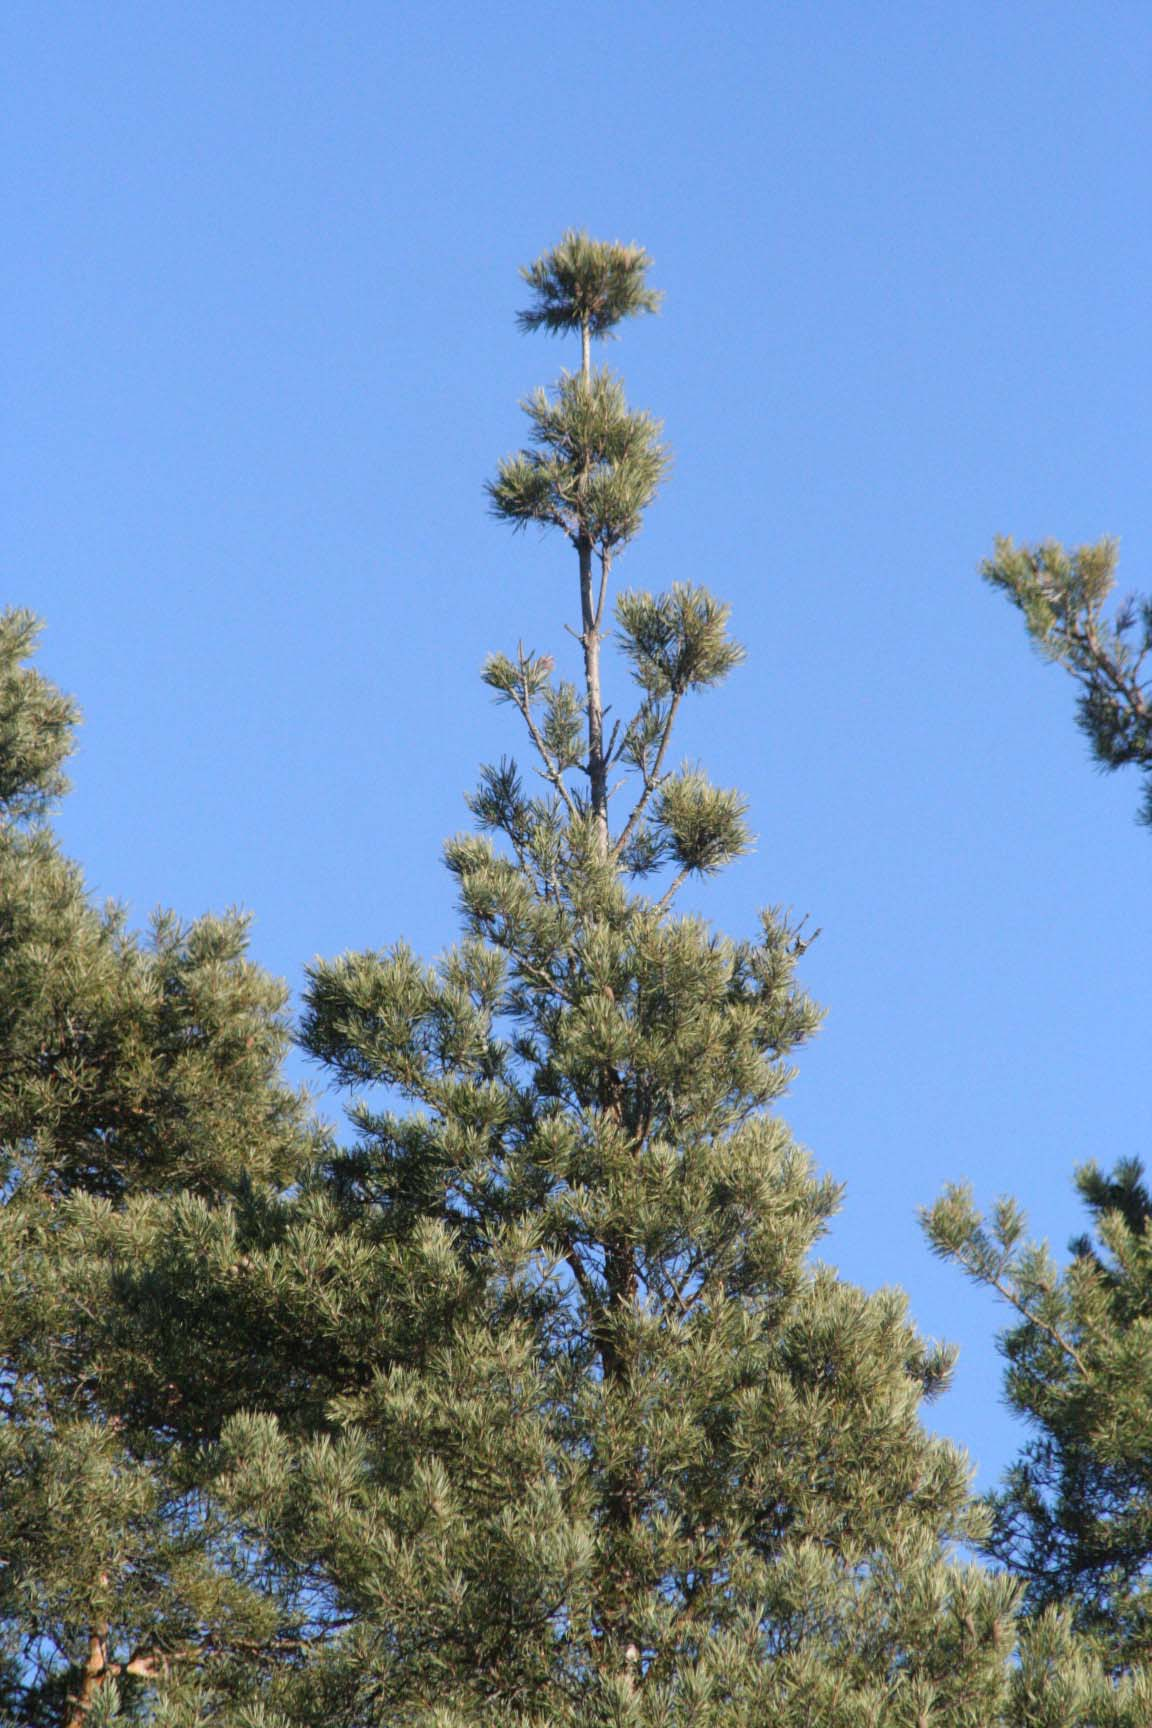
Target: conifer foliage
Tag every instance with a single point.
(1074, 1518)
(634, 1460)
(1066, 598)
(528, 1408)
(134, 1075)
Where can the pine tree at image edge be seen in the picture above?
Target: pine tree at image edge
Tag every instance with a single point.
(1073, 1518)
(1067, 597)
(136, 1074)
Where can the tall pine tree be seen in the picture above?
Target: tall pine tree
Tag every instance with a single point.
(625, 1454)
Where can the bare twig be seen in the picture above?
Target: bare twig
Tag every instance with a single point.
(551, 771)
(671, 891)
(652, 778)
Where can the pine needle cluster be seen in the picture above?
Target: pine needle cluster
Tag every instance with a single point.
(1064, 597)
(587, 285)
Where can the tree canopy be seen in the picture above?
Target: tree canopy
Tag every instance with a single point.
(528, 1405)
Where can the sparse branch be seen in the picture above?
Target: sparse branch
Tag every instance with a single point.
(672, 890)
(1127, 688)
(526, 964)
(1063, 594)
(652, 777)
(551, 770)
(996, 1281)
(544, 979)
(677, 1288)
(579, 1272)
(956, 1232)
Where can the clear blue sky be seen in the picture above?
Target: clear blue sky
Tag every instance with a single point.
(258, 284)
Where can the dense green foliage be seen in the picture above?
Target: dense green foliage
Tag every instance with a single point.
(1064, 597)
(588, 286)
(131, 1070)
(1074, 1518)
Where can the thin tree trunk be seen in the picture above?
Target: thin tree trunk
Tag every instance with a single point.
(92, 1677)
(590, 638)
(623, 1485)
(620, 1269)
(597, 766)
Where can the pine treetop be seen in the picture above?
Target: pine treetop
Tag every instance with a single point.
(587, 285)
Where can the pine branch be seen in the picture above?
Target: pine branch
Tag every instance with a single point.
(956, 1232)
(1127, 688)
(652, 777)
(672, 890)
(1014, 1300)
(551, 771)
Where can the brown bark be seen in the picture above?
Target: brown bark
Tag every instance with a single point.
(92, 1676)
(590, 641)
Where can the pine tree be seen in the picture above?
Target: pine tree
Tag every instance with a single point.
(622, 1454)
(1074, 1517)
(1073, 1520)
(131, 1072)
(1064, 596)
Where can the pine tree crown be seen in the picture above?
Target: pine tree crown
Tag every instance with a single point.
(591, 470)
(587, 284)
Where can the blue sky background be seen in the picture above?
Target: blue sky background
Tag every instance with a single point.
(258, 285)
